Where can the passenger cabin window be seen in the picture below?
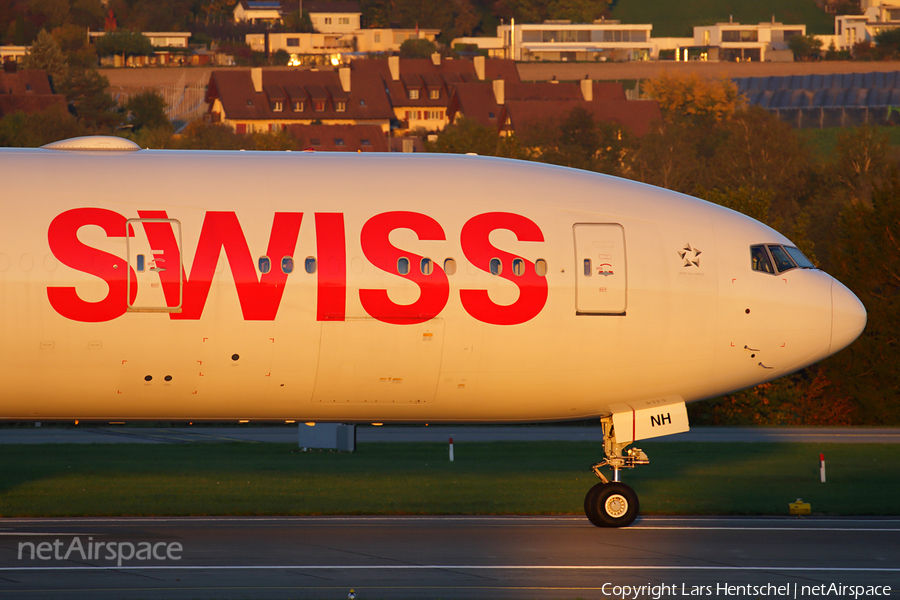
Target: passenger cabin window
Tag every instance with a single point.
(496, 266)
(426, 266)
(310, 265)
(287, 264)
(265, 265)
(403, 265)
(540, 267)
(450, 266)
(518, 267)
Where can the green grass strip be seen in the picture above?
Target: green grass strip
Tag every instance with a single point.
(408, 478)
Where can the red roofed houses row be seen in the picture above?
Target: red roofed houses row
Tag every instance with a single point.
(411, 94)
(513, 107)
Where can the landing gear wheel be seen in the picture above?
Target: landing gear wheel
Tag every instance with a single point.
(611, 504)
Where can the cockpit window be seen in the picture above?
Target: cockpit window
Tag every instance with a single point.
(783, 262)
(799, 258)
(775, 258)
(759, 260)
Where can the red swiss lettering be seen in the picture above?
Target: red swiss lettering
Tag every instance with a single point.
(64, 243)
(331, 292)
(259, 296)
(476, 244)
(434, 289)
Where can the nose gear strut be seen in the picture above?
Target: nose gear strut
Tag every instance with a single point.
(612, 503)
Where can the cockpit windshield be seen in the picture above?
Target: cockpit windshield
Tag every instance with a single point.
(775, 258)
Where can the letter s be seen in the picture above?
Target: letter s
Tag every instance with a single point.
(434, 288)
(476, 244)
(64, 243)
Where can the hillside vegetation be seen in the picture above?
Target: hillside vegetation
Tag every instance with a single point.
(676, 19)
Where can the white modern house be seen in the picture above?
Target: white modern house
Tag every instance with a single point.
(878, 15)
(740, 42)
(566, 41)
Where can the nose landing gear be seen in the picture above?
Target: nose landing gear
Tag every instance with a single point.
(612, 503)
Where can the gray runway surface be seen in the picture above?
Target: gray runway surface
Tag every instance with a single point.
(288, 434)
(452, 557)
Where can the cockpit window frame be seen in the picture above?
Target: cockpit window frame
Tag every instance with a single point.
(760, 253)
(777, 264)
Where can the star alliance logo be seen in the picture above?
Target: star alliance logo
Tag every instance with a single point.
(690, 256)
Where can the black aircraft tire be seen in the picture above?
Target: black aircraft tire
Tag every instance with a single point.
(611, 504)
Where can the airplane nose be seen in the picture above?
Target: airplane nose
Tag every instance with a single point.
(848, 317)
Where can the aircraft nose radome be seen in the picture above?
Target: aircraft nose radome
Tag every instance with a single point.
(848, 316)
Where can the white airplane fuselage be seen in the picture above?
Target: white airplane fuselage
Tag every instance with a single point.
(272, 286)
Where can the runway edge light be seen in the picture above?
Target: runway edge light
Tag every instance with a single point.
(799, 507)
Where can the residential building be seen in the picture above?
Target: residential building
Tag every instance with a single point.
(13, 53)
(259, 11)
(158, 39)
(739, 42)
(260, 100)
(334, 48)
(566, 41)
(878, 16)
(516, 106)
(340, 138)
(336, 16)
(26, 91)
(420, 89)
(397, 94)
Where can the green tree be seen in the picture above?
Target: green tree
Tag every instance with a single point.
(72, 40)
(863, 161)
(208, 136)
(36, 129)
(426, 14)
(86, 93)
(805, 47)
(888, 41)
(124, 43)
(669, 157)
(293, 23)
(375, 13)
(51, 13)
(577, 11)
(46, 54)
(691, 97)
(466, 136)
(868, 262)
(88, 14)
(147, 109)
(420, 48)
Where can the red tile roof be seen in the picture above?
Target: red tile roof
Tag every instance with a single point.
(636, 115)
(366, 100)
(340, 138)
(27, 91)
(528, 103)
(423, 74)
